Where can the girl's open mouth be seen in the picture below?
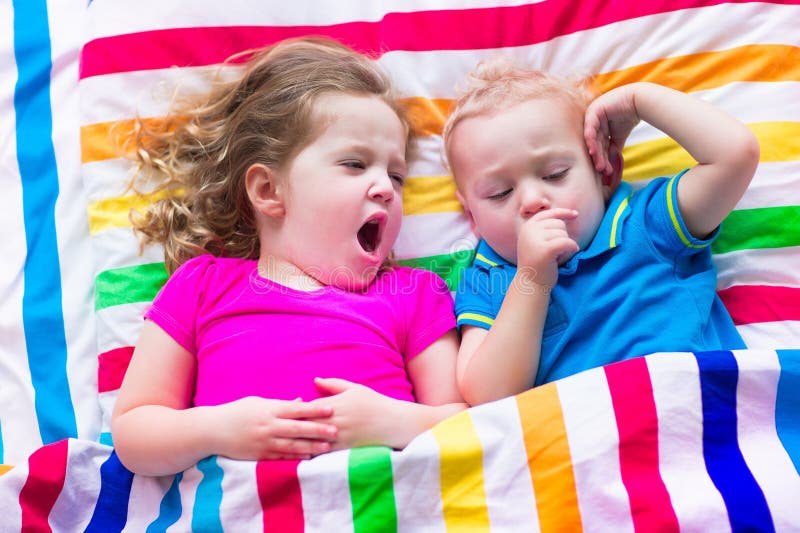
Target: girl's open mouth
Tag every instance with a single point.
(369, 235)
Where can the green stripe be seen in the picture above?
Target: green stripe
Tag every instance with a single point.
(765, 227)
(372, 489)
(448, 266)
(128, 285)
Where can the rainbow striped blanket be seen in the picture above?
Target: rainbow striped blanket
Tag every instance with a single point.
(704, 442)
(667, 442)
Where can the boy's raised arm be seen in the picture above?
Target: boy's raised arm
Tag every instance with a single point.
(726, 151)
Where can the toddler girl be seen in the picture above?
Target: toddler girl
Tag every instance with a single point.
(284, 330)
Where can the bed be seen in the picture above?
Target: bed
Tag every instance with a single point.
(670, 441)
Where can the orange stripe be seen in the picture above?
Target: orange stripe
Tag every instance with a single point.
(692, 72)
(549, 459)
(706, 70)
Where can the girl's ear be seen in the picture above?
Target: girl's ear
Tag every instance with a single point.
(612, 180)
(262, 188)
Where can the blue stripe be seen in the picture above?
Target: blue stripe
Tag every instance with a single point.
(1, 443)
(111, 510)
(744, 499)
(205, 513)
(787, 404)
(170, 510)
(41, 301)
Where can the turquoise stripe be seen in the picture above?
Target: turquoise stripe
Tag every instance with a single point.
(170, 510)
(208, 498)
(787, 404)
(1, 444)
(42, 315)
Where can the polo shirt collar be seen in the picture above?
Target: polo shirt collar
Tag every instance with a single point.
(487, 258)
(609, 234)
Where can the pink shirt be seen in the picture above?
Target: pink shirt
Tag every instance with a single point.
(255, 337)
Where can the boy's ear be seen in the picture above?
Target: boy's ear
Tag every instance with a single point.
(467, 212)
(611, 181)
(264, 191)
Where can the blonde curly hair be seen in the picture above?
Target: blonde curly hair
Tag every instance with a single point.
(199, 155)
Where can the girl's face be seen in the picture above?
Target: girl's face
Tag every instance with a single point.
(344, 203)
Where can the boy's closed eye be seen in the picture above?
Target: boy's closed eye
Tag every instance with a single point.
(502, 195)
(556, 175)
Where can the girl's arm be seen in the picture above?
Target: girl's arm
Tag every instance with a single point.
(365, 417)
(157, 432)
(726, 151)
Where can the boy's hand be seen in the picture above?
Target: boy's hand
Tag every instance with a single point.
(608, 121)
(543, 244)
(256, 428)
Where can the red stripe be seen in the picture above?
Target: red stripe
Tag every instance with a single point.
(748, 304)
(464, 29)
(47, 468)
(280, 496)
(637, 423)
(111, 368)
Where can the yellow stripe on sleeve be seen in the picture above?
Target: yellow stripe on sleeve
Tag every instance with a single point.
(477, 318)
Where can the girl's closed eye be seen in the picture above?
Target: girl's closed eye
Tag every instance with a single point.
(399, 179)
(354, 164)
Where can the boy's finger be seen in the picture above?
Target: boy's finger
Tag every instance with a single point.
(561, 213)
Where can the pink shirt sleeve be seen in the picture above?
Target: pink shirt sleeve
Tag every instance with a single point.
(429, 311)
(174, 309)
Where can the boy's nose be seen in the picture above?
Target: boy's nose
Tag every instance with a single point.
(532, 201)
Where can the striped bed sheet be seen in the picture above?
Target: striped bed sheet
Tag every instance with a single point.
(667, 442)
(74, 287)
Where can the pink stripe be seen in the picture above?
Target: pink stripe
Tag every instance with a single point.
(47, 468)
(637, 423)
(280, 496)
(112, 366)
(464, 29)
(749, 304)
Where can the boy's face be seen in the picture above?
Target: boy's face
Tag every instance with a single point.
(529, 157)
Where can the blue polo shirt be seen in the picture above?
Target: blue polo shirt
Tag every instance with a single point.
(644, 284)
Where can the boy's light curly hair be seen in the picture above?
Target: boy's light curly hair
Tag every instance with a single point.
(499, 83)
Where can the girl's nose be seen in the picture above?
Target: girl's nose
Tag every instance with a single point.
(382, 188)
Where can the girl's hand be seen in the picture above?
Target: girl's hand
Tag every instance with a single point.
(608, 121)
(543, 244)
(256, 428)
(364, 417)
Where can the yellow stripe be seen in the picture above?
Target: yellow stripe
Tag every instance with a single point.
(5, 468)
(114, 212)
(430, 194)
(693, 72)
(618, 214)
(476, 317)
(485, 260)
(461, 464)
(707, 70)
(780, 141)
(549, 459)
(674, 217)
